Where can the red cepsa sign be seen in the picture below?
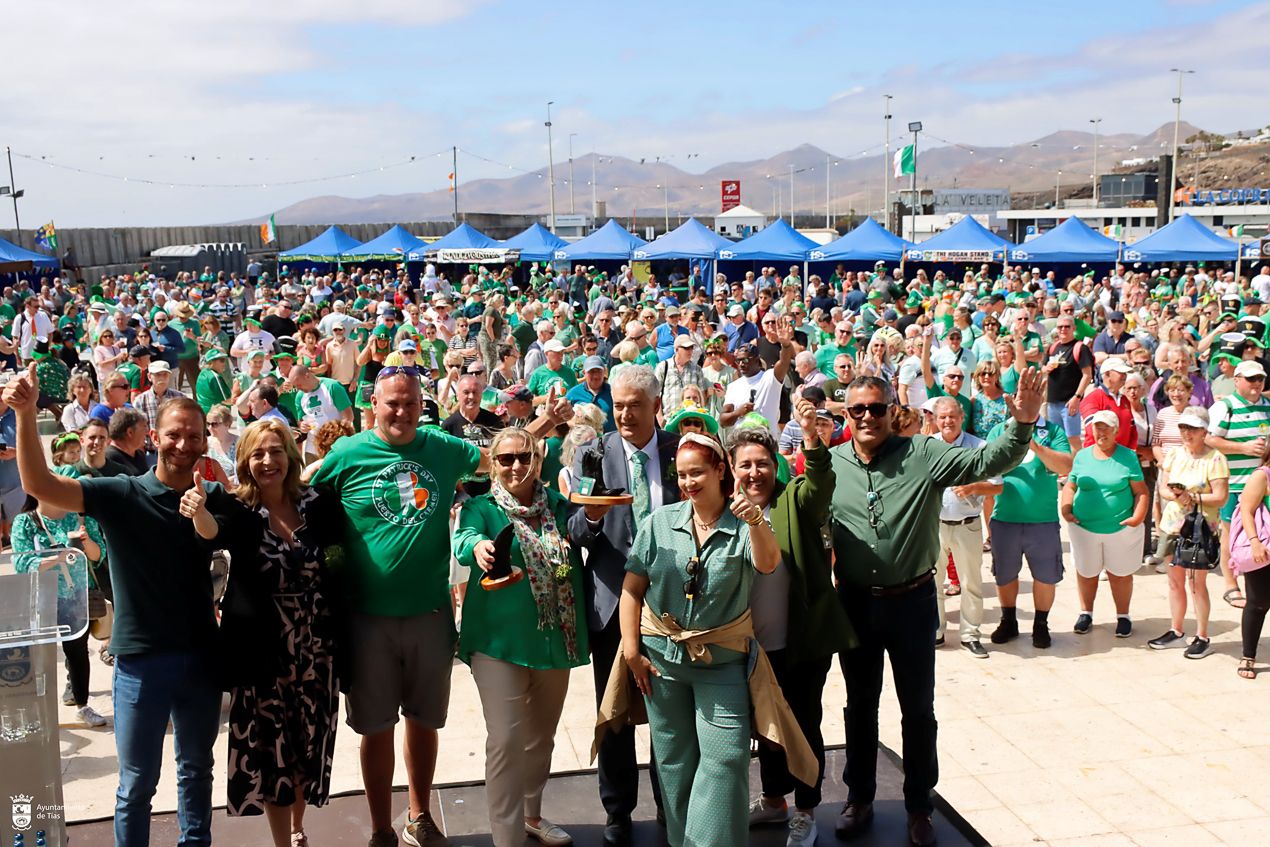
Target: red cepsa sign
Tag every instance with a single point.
(730, 191)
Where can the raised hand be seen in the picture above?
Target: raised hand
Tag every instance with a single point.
(1025, 406)
(23, 391)
(194, 501)
(745, 508)
(805, 414)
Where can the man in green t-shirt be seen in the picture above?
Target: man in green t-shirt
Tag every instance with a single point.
(397, 484)
(213, 387)
(554, 371)
(1025, 523)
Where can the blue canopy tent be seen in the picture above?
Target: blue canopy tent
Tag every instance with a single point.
(536, 244)
(965, 241)
(393, 246)
(776, 242)
(330, 246)
(463, 244)
(1071, 241)
(14, 259)
(610, 242)
(690, 240)
(1184, 240)
(869, 242)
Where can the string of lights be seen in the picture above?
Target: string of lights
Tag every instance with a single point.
(44, 160)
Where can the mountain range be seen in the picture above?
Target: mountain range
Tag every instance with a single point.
(628, 187)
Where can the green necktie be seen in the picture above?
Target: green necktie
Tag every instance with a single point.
(639, 487)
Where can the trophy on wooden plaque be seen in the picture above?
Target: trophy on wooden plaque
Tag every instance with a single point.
(502, 573)
(591, 488)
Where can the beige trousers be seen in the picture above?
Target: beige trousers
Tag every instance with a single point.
(522, 708)
(965, 542)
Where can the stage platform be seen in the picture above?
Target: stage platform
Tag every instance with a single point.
(572, 801)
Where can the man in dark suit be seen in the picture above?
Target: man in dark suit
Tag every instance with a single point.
(638, 457)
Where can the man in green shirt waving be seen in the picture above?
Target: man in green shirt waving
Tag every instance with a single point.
(885, 521)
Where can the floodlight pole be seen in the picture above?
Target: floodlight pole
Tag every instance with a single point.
(1095, 122)
(573, 209)
(454, 166)
(886, 163)
(914, 127)
(551, 172)
(1177, 122)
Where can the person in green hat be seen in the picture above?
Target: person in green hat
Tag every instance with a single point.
(53, 376)
(371, 360)
(692, 418)
(871, 311)
(213, 387)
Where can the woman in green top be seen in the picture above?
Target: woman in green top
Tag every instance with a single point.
(521, 639)
(693, 564)
(371, 360)
(1104, 503)
(39, 527)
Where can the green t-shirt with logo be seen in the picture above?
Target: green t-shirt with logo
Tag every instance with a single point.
(1031, 490)
(542, 377)
(397, 517)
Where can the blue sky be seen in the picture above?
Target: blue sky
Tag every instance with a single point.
(329, 87)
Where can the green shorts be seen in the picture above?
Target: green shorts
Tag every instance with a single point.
(1232, 503)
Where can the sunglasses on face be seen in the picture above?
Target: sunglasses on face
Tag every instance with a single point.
(877, 410)
(692, 424)
(507, 460)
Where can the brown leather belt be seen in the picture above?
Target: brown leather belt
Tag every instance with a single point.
(961, 522)
(902, 588)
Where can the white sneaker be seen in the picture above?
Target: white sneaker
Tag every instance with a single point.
(89, 715)
(802, 830)
(761, 813)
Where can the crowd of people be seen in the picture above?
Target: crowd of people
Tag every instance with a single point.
(374, 473)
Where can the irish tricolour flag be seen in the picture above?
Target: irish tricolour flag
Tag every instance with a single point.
(905, 161)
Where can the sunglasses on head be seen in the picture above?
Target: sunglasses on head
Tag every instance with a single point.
(877, 410)
(394, 370)
(507, 460)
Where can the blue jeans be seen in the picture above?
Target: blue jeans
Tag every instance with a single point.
(1057, 412)
(148, 690)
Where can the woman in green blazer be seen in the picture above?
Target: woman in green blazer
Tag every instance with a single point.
(797, 617)
(521, 637)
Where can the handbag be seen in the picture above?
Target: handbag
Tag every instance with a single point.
(1197, 546)
(1241, 560)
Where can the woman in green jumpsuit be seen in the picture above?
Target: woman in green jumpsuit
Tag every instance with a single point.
(693, 563)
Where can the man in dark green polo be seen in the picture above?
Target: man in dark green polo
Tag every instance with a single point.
(885, 516)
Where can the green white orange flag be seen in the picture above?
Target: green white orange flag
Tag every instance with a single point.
(905, 161)
(269, 231)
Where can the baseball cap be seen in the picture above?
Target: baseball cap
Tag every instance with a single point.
(1115, 365)
(684, 341)
(216, 353)
(890, 315)
(139, 350)
(1115, 316)
(1250, 368)
(1192, 419)
(736, 310)
(408, 346)
(553, 346)
(518, 392)
(1105, 416)
(159, 367)
(592, 363)
(672, 312)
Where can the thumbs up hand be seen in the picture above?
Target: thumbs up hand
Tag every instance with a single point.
(194, 501)
(23, 391)
(745, 508)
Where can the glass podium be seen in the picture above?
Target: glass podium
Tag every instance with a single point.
(43, 601)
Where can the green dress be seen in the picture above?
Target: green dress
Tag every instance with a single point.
(503, 624)
(698, 714)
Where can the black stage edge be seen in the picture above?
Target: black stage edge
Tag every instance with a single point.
(571, 800)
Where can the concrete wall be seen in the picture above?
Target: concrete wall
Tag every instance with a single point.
(111, 250)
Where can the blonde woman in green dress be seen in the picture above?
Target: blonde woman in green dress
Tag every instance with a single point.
(521, 639)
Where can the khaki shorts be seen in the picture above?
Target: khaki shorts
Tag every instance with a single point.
(1119, 553)
(400, 665)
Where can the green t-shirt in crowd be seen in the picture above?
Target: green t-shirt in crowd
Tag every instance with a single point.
(212, 388)
(190, 351)
(133, 374)
(1031, 489)
(967, 407)
(542, 377)
(1103, 494)
(397, 517)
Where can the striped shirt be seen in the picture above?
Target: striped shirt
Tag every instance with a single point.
(1235, 419)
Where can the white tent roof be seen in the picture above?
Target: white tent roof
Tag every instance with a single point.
(741, 212)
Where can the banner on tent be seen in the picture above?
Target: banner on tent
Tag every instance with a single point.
(727, 254)
(919, 255)
(477, 254)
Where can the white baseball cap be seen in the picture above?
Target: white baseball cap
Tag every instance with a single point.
(1106, 416)
(553, 346)
(1249, 368)
(1115, 365)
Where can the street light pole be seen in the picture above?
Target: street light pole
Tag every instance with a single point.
(827, 166)
(1177, 123)
(551, 171)
(572, 207)
(1095, 122)
(1057, 177)
(665, 198)
(886, 162)
(594, 204)
(914, 127)
(791, 195)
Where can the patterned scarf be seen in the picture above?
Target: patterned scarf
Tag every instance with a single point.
(547, 562)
